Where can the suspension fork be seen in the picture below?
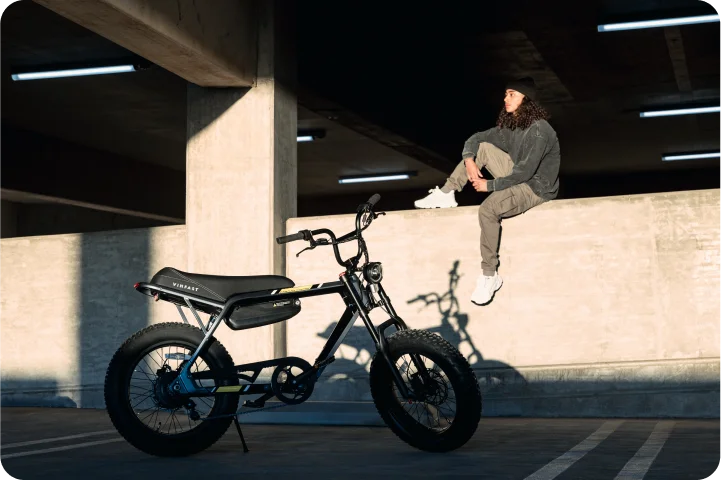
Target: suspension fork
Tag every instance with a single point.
(398, 321)
(378, 336)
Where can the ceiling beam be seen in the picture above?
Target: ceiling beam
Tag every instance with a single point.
(51, 170)
(211, 44)
(512, 54)
(674, 41)
(343, 116)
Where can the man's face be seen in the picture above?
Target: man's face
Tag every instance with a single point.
(513, 100)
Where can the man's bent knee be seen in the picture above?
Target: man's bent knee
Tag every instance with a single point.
(486, 210)
(488, 147)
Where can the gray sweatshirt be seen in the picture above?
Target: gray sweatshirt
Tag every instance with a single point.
(535, 153)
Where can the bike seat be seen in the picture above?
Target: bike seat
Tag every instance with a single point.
(217, 287)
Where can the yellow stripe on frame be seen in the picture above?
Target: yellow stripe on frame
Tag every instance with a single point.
(229, 388)
(296, 289)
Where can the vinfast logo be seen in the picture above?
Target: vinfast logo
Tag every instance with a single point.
(180, 285)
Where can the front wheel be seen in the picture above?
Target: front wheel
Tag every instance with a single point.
(447, 410)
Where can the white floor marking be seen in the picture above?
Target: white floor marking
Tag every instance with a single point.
(60, 449)
(638, 466)
(56, 439)
(561, 464)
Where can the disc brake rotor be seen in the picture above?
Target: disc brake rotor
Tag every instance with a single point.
(285, 385)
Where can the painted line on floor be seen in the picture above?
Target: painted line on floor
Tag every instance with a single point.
(561, 464)
(60, 449)
(638, 466)
(56, 439)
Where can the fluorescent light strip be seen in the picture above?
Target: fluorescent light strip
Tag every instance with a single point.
(79, 72)
(690, 156)
(669, 22)
(305, 138)
(380, 178)
(681, 111)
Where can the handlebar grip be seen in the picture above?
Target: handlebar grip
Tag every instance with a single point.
(374, 199)
(290, 238)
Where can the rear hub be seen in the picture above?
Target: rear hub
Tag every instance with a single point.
(163, 394)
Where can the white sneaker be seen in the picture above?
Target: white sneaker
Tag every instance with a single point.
(437, 199)
(486, 287)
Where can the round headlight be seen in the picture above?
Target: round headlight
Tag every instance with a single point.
(373, 272)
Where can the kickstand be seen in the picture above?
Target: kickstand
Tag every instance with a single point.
(237, 425)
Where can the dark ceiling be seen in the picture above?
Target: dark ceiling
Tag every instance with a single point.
(437, 74)
(431, 74)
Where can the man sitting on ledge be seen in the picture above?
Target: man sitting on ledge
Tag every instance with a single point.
(523, 155)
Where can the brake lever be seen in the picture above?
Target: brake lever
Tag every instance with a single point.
(313, 243)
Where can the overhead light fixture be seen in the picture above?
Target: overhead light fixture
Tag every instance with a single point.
(669, 22)
(384, 177)
(690, 156)
(680, 111)
(74, 72)
(310, 135)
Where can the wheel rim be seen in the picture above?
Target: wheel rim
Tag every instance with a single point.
(436, 410)
(152, 403)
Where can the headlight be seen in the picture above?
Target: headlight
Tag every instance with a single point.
(373, 272)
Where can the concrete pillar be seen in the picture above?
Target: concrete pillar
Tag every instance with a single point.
(8, 219)
(242, 174)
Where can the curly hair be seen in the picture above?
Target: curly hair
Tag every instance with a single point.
(527, 113)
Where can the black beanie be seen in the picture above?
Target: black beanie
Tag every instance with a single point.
(525, 85)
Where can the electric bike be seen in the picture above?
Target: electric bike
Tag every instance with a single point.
(172, 389)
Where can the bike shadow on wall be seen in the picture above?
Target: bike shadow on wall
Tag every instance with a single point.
(348, 374)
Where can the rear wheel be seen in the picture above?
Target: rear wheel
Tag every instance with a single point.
(143, 408)
(448, 408)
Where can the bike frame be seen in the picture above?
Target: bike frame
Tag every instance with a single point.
(358, 304)
(359, 301)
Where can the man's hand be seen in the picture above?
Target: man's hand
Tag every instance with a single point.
(472, 170)
(481, 185)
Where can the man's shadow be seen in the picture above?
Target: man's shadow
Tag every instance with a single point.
(493, 375)
(353, 362)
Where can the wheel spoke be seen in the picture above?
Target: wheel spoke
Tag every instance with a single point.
(436, 410)
(152, 391)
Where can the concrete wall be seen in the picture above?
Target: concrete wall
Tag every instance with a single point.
(67, 303)
(610, 305)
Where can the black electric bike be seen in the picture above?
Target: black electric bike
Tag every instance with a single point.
(172, 389)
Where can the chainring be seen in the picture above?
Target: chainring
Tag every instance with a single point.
(283, 382)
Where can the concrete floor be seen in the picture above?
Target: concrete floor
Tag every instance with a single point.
(503, 448)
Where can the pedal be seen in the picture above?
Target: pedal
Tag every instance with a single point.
(257, 403)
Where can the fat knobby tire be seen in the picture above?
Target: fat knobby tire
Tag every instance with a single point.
(117, 384)
(460, 375)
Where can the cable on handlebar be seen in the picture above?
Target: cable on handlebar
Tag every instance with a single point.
(365, 216)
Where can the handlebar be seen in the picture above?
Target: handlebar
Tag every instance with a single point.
(374, 199)
(290, 238)
(352, 262)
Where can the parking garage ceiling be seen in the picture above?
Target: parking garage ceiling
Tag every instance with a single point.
(400, 89)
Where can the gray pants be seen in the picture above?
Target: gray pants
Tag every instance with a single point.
(498, 205)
